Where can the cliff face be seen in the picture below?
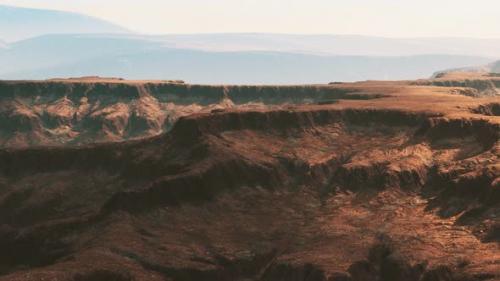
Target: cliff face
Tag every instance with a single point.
(474, 84)
(367, 181)
(74, 113)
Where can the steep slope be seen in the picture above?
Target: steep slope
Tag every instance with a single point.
(365, 181)
(17, 23)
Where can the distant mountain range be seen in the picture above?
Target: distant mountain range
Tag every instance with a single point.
(61, 44)
(55, 50)
(21, 23)
(350, 45)
(54, 56)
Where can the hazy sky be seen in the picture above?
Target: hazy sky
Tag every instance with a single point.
(393, 18)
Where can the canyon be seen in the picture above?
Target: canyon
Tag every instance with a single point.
(112, 179)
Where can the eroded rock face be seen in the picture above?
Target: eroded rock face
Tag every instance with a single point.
(473, 84)
(77, 112)
(492, 109)
(404, 186)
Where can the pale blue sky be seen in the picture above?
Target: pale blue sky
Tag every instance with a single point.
(392, 18)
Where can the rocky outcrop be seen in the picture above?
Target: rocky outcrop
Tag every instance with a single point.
(482, 87)
(468, 82)
(492, 109)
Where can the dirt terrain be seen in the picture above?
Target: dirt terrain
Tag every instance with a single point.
(159, 180)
